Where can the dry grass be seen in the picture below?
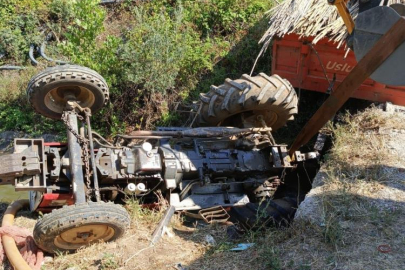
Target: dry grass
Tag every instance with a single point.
(358, 202)
(13, 84)
(362, 139)
(310, 18)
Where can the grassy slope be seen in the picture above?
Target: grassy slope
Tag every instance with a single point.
(153, 54)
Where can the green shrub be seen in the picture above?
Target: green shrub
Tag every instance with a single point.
(160, 48)
(18, 116)
(19, 27)
(164, 53)
(62, 11)
(224, 16)
(83, 31)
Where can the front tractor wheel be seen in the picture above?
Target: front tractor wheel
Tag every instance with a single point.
(75, 226)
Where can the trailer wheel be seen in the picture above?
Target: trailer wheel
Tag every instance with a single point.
(239, 102)
(75, 226)
(47, 91)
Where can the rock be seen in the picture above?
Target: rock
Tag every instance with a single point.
(209, 239)
(311, 209)
(7, 139)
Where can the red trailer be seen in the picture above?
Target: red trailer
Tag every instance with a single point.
(297, 60)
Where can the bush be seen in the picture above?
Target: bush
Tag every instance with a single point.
(19, 23)
(83, 31)
(159, 54)
(224, 17)
(160, 48)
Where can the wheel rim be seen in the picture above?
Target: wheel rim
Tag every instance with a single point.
(56, 102)
(81, 236)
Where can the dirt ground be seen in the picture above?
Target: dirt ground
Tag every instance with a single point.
(356, 205)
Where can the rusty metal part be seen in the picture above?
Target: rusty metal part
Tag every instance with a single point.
(267, 189)
(216, 214)
(158, 233)
(10, 247)
(71, 107)
(367, 65)
(75, 157)
(26, 168)
(92, 157)
(204, 132)
(191, 214)
(18, 164)
(260, 118)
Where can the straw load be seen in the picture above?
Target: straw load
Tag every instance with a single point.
(315, 18)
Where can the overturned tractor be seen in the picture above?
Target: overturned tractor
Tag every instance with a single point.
(229, 162)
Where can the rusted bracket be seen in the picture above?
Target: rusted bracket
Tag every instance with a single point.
(216, 214)
(367, 65)
(18, 164)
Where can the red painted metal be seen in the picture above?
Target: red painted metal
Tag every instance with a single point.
(54, 144)
(51, 201)
(295, 60)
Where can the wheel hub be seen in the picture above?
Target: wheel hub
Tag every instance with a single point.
(83, 235)
(56, 99)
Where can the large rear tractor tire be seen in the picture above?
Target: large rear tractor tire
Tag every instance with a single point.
(239, 103)
(71, 227)
(49, 91)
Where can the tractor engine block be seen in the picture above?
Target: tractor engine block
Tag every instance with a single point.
(197, 171)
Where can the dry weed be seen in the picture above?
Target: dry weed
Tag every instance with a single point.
(13, 84)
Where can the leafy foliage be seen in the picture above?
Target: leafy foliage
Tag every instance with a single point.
(19, 21)
(224, 17)
(153, 54)
(82, 33)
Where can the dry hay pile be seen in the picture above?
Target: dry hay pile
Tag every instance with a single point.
(307, 18)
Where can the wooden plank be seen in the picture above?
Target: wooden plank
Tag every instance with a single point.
(370, 62)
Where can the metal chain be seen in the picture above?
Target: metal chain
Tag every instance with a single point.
(84, 144)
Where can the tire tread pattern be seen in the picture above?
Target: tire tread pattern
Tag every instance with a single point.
(61, 73)
(260, 94)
